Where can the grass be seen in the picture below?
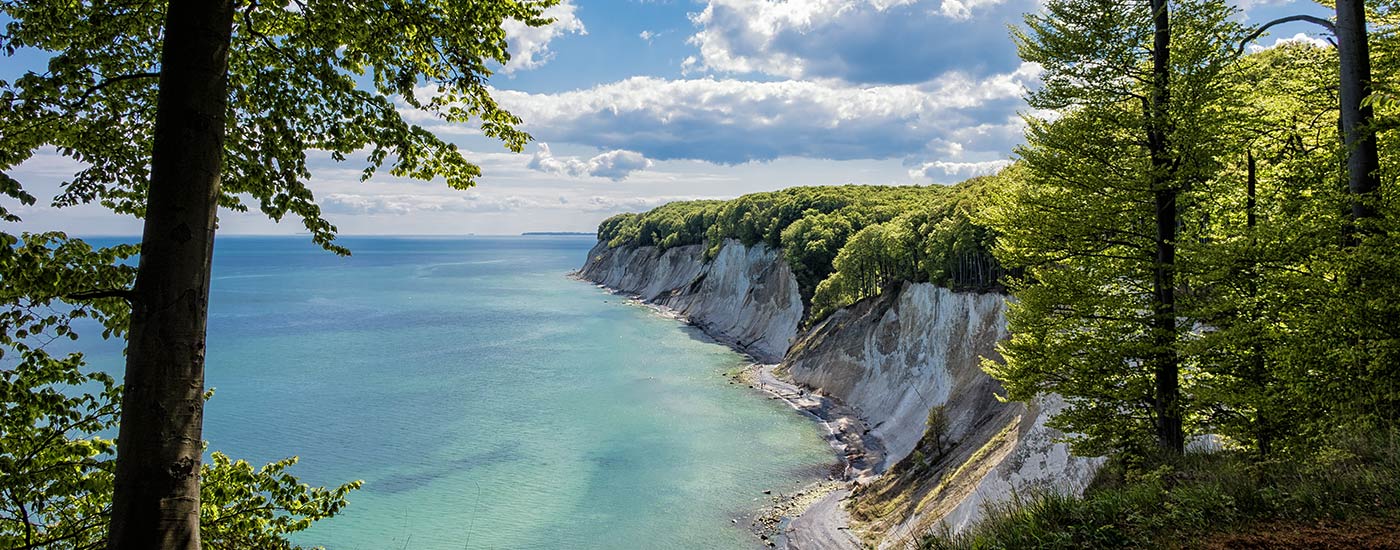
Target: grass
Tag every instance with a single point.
(1200, 500)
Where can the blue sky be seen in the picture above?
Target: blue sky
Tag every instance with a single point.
(634, 103)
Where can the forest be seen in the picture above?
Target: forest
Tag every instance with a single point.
(843, 243)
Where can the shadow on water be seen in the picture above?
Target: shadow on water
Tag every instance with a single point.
(404, 482)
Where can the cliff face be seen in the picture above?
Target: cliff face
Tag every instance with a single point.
(746, 296)
(892, 359)
(895, 357)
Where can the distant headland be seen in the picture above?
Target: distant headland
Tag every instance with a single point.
(557, 233)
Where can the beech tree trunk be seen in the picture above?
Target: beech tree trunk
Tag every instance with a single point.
(156, 500)
(1165, 363)
(1363, 161)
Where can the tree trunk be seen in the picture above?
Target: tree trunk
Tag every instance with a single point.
(1358, 133)
(156, 500)
(1167, 395)
(1258, 373)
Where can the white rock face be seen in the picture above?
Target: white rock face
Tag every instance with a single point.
(892, 358)
(744, 295)
(1036, 462)
(895, 357)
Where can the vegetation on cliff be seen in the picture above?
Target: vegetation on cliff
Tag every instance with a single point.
(1345, 496)
(1197, 253)
(843, 243)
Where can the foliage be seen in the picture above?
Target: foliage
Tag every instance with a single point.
(242, 507)
(939, 244)
(667, 226)
(55, 462)
(1195, 498)
(1083, 223)
(56, 466)
(49, 477)
(295, 84)
(306, 75)
(843, 243)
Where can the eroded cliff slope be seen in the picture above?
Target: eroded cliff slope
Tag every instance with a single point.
(893, 359)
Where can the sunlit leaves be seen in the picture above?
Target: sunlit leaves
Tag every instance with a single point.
(341, 78)
(320, 75)
(244, 507)
(1081, 224)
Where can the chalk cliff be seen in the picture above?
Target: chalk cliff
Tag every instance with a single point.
(745, 296)
(892, 358)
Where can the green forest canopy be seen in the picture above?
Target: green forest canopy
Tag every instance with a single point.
(843, 243)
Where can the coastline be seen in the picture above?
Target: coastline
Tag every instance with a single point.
(811, 517)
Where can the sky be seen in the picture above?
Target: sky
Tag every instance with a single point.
(635, 103)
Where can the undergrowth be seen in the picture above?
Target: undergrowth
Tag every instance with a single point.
(1182, 503)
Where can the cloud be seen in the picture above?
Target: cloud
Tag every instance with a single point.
(962, 9)
(1247, 5)
(1300, 38)
(866, 41)
(628, 204)
(959, 170)
(410, 203)
(734, 121)
(648, 36)
(614, 165)
(403, 204)
(529, 46)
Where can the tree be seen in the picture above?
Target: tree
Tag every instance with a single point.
(1108, 194)
(1357, 115)
(178, 108)
(1274, 212)
(55, 471)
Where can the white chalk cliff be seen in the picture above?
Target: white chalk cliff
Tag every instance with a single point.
(891, 358)
(745, 296)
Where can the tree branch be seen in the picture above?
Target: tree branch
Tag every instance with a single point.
(122, 293)
(110, 81)
(1308, 18)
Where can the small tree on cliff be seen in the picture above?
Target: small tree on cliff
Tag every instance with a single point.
(1096, 220)
(176, 108)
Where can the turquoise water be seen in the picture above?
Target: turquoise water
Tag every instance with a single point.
(487, 400)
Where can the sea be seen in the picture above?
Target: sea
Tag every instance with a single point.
(487, 399)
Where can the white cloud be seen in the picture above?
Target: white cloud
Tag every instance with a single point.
(628, 204)
(614, 165)
(734, 121)
(1247, 5)
(878, 41)
(415, 203)
(959, 170)
(962, 9)
(404, 204)
(1300, 38)
(647, 36)
(529, 46)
